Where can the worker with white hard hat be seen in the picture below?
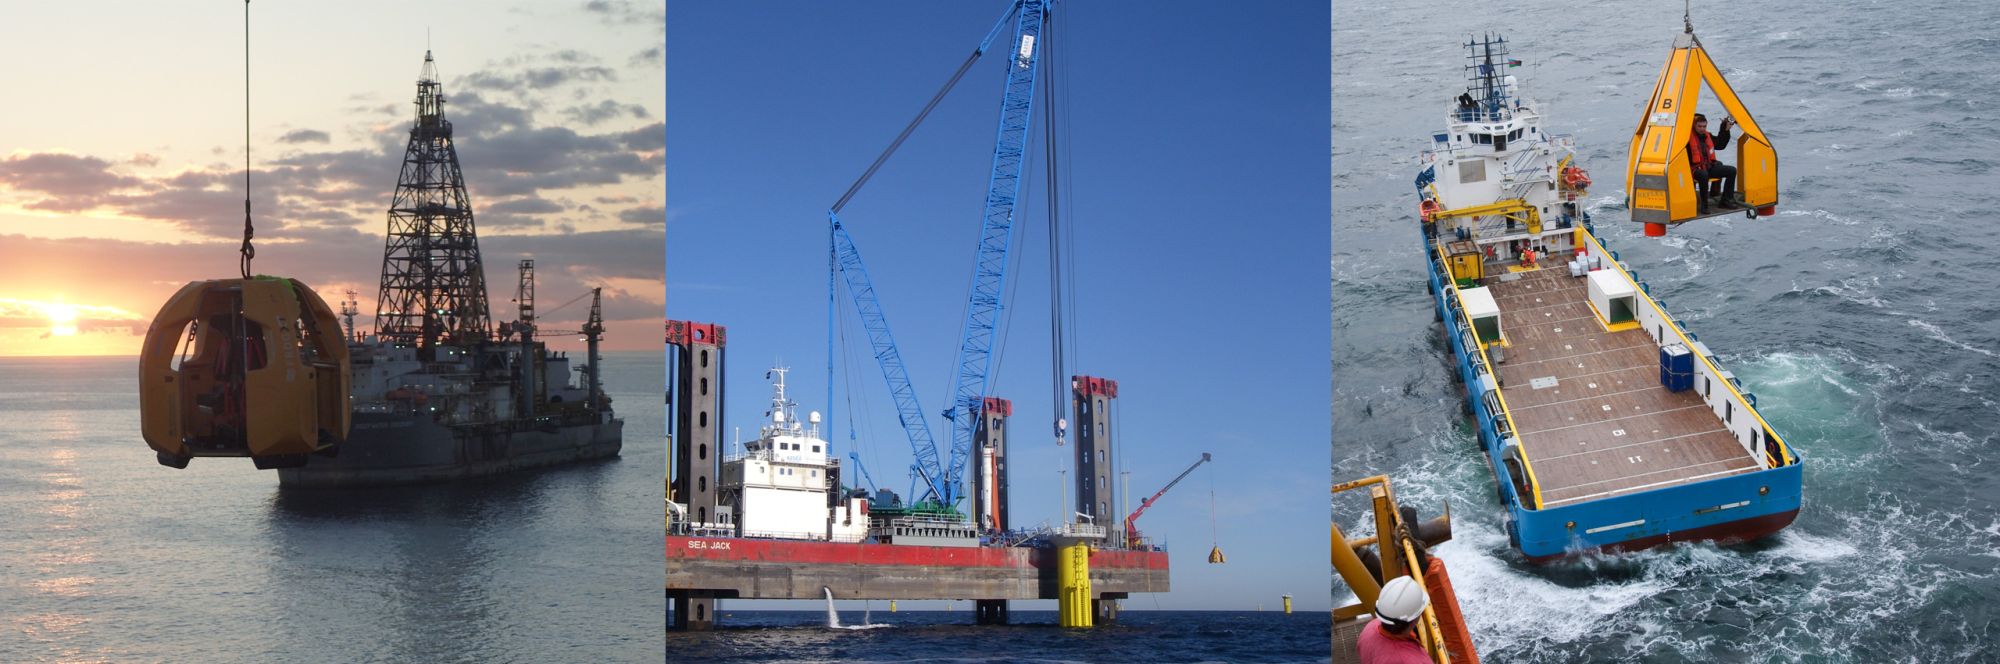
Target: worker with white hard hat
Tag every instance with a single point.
(1392, 637)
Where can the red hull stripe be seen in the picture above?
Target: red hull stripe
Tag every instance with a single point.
(780, 551)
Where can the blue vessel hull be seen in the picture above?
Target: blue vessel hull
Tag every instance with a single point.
(1726, 509)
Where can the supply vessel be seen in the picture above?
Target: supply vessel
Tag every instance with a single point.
(1607, 423)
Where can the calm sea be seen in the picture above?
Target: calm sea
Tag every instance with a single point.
(949, 636)
(107, 556)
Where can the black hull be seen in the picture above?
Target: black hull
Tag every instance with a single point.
(398, 449)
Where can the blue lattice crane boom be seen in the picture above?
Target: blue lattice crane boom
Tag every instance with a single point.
(982, 313)
(996, 235)
(909, 412)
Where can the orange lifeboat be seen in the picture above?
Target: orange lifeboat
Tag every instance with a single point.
(1575, 178)
(244, 367)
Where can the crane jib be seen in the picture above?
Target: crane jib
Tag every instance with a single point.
(982, 314)
(883, 344)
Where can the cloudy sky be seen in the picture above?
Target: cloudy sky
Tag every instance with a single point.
(121, 157)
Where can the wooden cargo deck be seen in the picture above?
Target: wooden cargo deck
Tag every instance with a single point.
(1587, 404)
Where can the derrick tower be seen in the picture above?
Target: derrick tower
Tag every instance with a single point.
(433, 287)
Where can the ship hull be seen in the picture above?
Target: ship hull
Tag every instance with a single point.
(1735, 508)
(386, 449)
(790, 569)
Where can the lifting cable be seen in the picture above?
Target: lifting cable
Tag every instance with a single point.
(1214, 531)
(248, 252)
(1053, 196)
(939, 97)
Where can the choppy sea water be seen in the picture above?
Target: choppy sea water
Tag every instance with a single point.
(1862, 316)
(107, 556)
(1033, 636)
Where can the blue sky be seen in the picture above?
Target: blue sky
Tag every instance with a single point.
(1197, 189)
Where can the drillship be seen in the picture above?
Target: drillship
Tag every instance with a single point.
(439, 393)
(1606, 423)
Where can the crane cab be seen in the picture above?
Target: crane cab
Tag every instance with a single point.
(1660, 176)
(244, 367)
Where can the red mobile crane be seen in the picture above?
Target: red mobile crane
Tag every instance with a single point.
(1132, 532)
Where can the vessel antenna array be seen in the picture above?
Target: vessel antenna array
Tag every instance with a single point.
(1488, 56)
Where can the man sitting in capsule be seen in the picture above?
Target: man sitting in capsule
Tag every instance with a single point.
(1701, 159)
(229, 357)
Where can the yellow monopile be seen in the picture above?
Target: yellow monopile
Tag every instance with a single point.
(1073, 585)
(1659, 173)
(244, 367)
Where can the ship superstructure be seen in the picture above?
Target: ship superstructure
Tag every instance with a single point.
(783, 484)
(1606, 423)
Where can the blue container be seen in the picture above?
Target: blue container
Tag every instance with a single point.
(1676, 368)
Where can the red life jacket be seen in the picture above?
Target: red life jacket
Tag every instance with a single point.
(1701, 150)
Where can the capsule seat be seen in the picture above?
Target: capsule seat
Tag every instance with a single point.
(244, 368)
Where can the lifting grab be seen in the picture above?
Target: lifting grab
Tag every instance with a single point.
(1675, 176)
(254, 367)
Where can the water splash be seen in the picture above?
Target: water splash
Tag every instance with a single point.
(833, 616)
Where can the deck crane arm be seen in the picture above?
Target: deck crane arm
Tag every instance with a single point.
(1131, 532)
(856, 458)
(975, 352)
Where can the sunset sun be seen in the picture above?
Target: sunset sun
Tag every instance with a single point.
(62, 318)
(58, 326)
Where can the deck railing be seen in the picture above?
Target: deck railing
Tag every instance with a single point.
(1485, 367)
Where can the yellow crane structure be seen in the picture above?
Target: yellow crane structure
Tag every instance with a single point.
(1398, 547)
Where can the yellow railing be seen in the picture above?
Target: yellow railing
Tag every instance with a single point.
(1534, 485)
(1783, 449)
(1430, 633)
